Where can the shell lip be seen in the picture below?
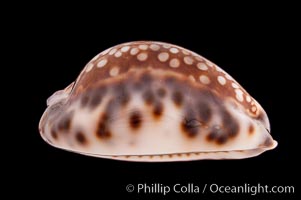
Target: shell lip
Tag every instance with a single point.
(259, 150)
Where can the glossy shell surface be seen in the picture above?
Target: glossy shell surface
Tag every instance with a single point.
(153, 101)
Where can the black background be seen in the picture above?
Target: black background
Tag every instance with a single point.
(254, 45)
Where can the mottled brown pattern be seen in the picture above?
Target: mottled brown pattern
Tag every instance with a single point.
(121, 93)
(204, 111)
(227, 130)
(127, 62)
(251, 129)
(135, 120)
(218, 135)
(158, 110)
(199, 98)
(230, 125)
(103, 131)
(64, 123)
(81, 138)
(161, 92)
(198, 106)
(191, 127)
(177, 98)
(148, 96)
(93, 97)
(54, 134)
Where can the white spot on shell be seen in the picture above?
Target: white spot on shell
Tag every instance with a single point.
(191, 78)
(112, 51)
(118, 54)
(204, 79)
(163, 56)
(188, 60)
(253, 109)
(134, 51)
(174, 63)
(95, 57)
(210, 64)
(239, 95)
(174, 50)
(154, 47)
(228, 76)
(219, 69)
(105, 51)
(202, 66)
(102, 63)
(234, 85)
(142, 56)
(125, 49)
(166, 46)
(198, 58)
(221, 80)
(143, 47)
(114, 71)
(89, 67)
(185, 52)
(248, 98)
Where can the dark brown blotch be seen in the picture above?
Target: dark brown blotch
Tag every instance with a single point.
(135, 120)
(177, 98)
(190, 127)
(93, 97)
(204, 111)
(111, 107)
(80, 138)
(218, 136)
(103, 131)
(233, 129)
(64, 123)
(137, 85)
(170, 81)
(158, 109)
(251, 129)
(53, 134)
(161, 92)
(148, 96)
(96, 96)
(123, 98)
(215, 133)
(212, 136)
(222, 139)
(95, 100)
(122, 94)
(146, 79)
(229, 123)
(209, 96)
